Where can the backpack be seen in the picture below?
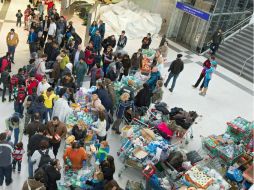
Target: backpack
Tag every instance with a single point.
(45, 175)
(98, 73)
(45, 158)
(14, 81)
(21, 95)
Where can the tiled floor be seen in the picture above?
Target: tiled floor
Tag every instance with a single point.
(228, 96)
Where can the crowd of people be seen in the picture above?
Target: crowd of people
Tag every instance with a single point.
(43, 90)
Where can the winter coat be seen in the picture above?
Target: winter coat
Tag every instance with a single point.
(111, 91)
(34, 143)
(32, 37)
(136, 61)
(72, 56)
(33, 184)
(52, 130)
(64, 62)
(96, 39)
(53, 176)
(30, 85)
(48, 49)
(105, 99)
(122, 42)
(54, 52)
(154, 77)
(92, 30)
(5, 64)
(143, 98)
(14, 41)
(126, 66)
(122, 107)
(101, 29)
(108, 42)
(61, 109)
(112, 75)
(107, 58)
(206, 65)
(80, 70)
(89, 56)
(55, 74)
(176, 67)
(37, 107)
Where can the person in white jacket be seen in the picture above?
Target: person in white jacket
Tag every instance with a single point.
(100, 128)
(61, 107)
(44, 149)
(52, 29)
(40, 65)
(42, 86)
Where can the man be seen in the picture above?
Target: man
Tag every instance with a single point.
(77, 55)
(6, 148)
(65, 60)
(49, 97)
(121, 41)
(33, 127)
(12, 41)
(56, 130)
(96, 39)
(101, 28)
(216, 40)
(48, 47)
(45, 27)
(60, 30)
(52, 29)
(6, 80)
(175, 69)
(31, 40)
(146, 41)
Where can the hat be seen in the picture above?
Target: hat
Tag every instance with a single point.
(179, 55)
(70, 139)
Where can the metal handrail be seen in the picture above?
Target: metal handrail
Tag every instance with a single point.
(244, 64)
(232, 29)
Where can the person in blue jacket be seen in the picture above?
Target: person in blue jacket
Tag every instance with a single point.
(124, 104)
(101, 28)
(208, 77)
(96, 39)
(154, 77)
(31, 40)
(92, 29)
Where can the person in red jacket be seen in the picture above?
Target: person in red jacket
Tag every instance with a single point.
(31, 83)
(5, 63)
(89, 56)
(50, 5)
(206, 65)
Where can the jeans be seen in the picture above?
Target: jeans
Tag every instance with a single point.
(206, 82)
(105, 68)
(18, 22)
(18, 107)
(32, 47)
(174, 80)
(4, 91)
(30, 167)
(60, 38)
(199, 80)
(214, 47)
(14, 162)
(49, 114)
(16, 135)
(6, 172)
(11, 50)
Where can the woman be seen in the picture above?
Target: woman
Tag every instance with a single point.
(108, 168)
(109, 41)
(13, 124)
(61, 107)
(80, 70)
(96, 102)
(126, 62)
(100, 128)
(89, 56)
(79, 132)
(76, 155)
(123, 105)
(164, 50)
(159, 61)
(107, 58)
(208, 77)
(41, 67)
(143, 97)
(104, 96)
(92, 29)
(68, 82)
(35, 183)
(54, 174)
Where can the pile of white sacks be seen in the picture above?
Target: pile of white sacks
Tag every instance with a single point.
(128, 16)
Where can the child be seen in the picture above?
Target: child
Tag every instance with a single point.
(19, 15)
(17, 155)
(157, 92)
(102, 152)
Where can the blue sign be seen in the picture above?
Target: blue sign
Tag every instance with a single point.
(188, 9)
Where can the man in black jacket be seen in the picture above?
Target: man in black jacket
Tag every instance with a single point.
(175, 69)
(33, 127)
(216, 40)
(5, 79)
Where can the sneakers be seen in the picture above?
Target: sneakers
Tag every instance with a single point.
(171, 90)
(194, 86)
